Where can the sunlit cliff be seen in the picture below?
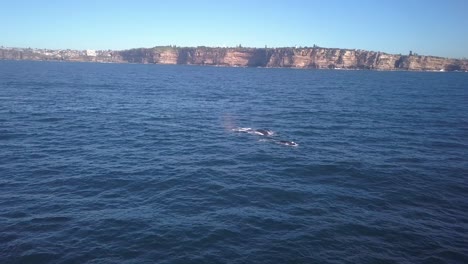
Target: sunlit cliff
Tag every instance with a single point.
(306, 57)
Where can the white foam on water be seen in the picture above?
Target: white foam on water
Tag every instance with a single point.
(242, 129)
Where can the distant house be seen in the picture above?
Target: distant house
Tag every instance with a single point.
(91, 53)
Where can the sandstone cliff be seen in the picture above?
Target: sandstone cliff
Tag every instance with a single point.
(319, 58)
(316, 57)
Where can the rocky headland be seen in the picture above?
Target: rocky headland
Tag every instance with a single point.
(302, 57)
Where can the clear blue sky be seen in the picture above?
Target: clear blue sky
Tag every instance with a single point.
(427, 27)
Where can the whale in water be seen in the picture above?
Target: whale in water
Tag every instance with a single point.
(269, 134)
(288, 143)
(260, 132)
(263, 132)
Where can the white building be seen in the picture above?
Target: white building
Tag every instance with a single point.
(91, 53)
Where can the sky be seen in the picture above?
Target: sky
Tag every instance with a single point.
(426, 27)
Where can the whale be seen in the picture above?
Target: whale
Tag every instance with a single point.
(263, 132)
(288, 143)
(268, 134)
(259, 132)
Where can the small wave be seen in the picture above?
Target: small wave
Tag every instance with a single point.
(7, 136)
(50, 119)
(38, 257)
(51, 219)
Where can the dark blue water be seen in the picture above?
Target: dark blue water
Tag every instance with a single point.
(120, 163)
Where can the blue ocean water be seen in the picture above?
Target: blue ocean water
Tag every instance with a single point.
(127, 163)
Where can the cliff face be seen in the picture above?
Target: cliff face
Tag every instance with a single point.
(316, 57)
(319, 58)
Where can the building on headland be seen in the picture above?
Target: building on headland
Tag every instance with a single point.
(91, 53)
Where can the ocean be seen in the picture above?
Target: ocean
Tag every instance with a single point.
(131, 163)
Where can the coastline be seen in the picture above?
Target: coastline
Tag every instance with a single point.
(300, 58)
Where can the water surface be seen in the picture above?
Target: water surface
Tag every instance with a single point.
(122, 163)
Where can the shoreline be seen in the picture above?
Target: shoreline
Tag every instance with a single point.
(300, 58)
(228, 66)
